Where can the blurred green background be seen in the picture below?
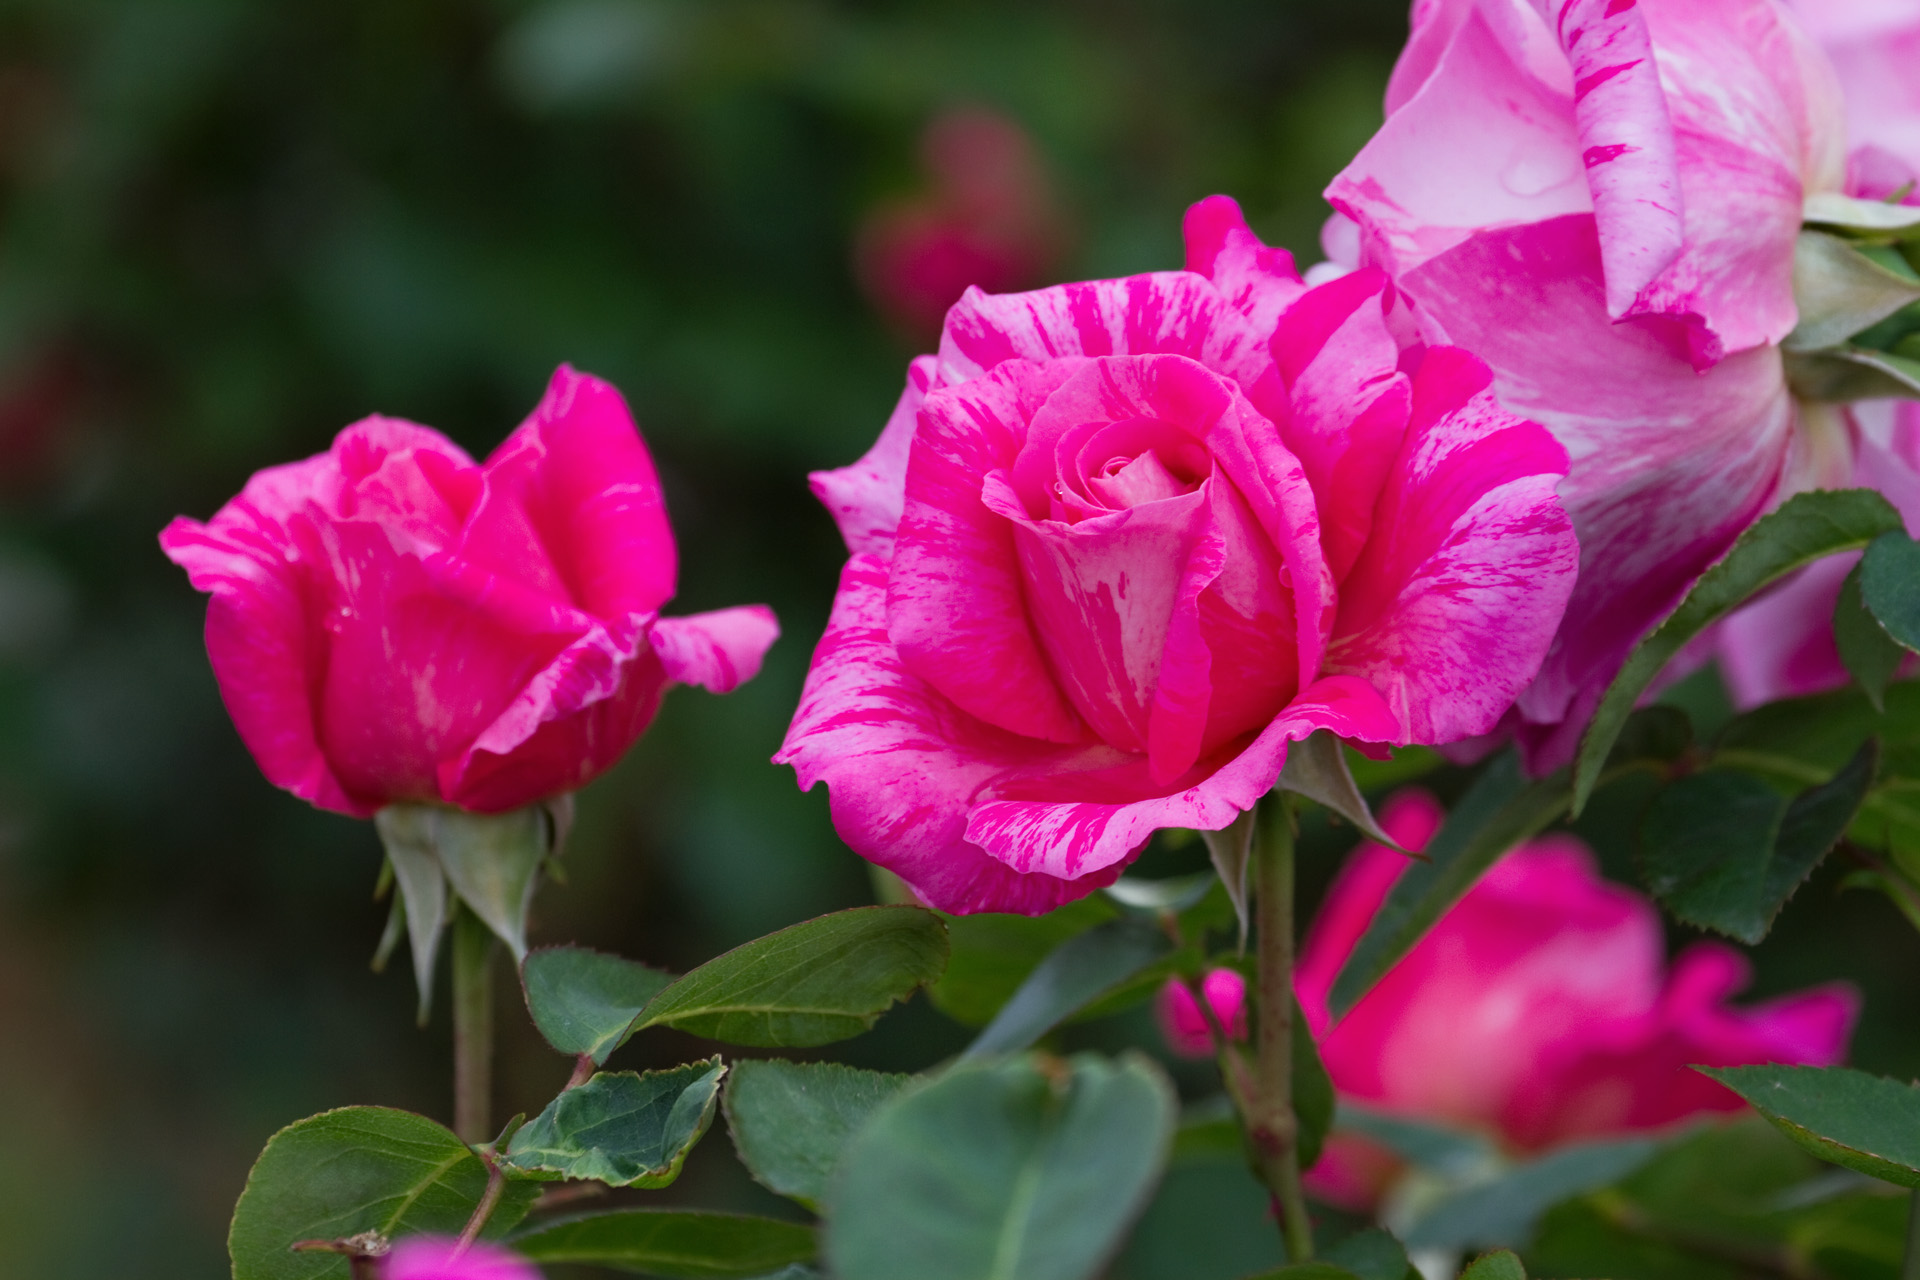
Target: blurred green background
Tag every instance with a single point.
(230, 227)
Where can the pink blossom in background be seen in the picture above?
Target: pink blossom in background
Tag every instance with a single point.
(989, 217)
(1538, 1009)
(1184, 1023)
(441, 1258)
(1601, 201)
(392, 622)
(1875, 46)
(1123, 541)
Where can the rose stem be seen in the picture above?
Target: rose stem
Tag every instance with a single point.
(1910, 1265)
(472, 1027)
(489, 1201)
(1274, 1129)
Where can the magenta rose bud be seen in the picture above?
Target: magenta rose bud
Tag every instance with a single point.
(1538, 1009)
(391, 622)
(1124, 541)
(442, 1258)
(1184, 1023)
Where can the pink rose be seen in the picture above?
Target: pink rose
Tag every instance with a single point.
(391, 622)
(1122, 541)
(1875, 46)
(1536, 1009)
(1184, 1023)
(1601, 200)
(988, 218)
(442, 1258)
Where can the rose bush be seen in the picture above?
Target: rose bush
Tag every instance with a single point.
(1562, 971)
(1601, 200)
(392, 622)
(1122, 541)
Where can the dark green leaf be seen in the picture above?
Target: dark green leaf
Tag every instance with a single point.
(1495, 1266)
(1209, 1128)
(687, 1245)
(354, 1170)
(1807, 527)
(1890, 585)
(1029, 1169)
(1455, 1154)
(1079, 971)
(1313, 1098)
(623, 1128)
(1871, 655)
(1505, 1209)
(1371, 1255)
(1723, 850)
(1863, 1122)
(1500, 810)
(791, 1120)
(585, 1001)
(813, 983)
(1308, 1271)
(1840, 374)
(993, 953)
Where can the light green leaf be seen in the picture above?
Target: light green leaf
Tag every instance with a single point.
(791, 1120)
(1506, 1209)
(1317, 769)
(822, 980)
(1176, 893)
(358, 1169)
(492, 860)
(1029, 1169)
(585, 1001)
(1080, 971)
(686, 1245)
(993, 953)
(623, 1128)
(423, 891)
(1808, 527)
(1863, 1122)
(1723, 850)
(1890, 586)
(1871, 656)
(1495, 1266)
(1840, 291)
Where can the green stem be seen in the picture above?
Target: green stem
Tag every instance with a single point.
(473, 947)
(1273, 1127)
(1910, 1265)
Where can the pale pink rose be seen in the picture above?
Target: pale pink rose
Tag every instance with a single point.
(442, 1258)
(988, 217)
(1123, 541)
(1601, 199)
(1184, 1023)
(1538, 1009)
(1875, 46)
(391, 622)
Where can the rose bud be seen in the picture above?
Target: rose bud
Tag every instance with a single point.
(1185, 1025)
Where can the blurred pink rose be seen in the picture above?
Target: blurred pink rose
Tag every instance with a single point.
(441, 1258)
(1536, 1009)
(1602, 204)
(1184, 1023)
(989, 218)
(391, 622)
(1123, 541)
(1875, 46)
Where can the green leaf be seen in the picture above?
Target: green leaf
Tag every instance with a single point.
(585, 1001)
(685, 1245)
(1176, 893)
(1840, 291)
(1308, 1271)
(816, 982)
(791, 1120)
(1457, 1155)
(1855, 214)
(1029, 1169)
(1500, 810)
(1495, 1266)
(1317, 769)
(1313, 1096)
(1807, 527)
(423, 893)
(1890, 586)
(1724, 850)
(1504, 1210)
(357, 1169)
(1863, 1122)
(623, 1128)
(1231, 849)
(1372, 1254)
(1841, 374)
(993, 953)
(1871, 656)
(1080, 971)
